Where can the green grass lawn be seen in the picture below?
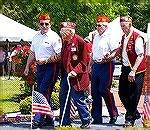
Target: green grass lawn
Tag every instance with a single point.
(9, 89)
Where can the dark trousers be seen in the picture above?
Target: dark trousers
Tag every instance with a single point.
(79, 100)
(101, 81)
(47, 75)
(130, 92)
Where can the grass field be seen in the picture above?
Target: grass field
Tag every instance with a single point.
(9, 89)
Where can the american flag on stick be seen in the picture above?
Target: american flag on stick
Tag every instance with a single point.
(40, 104)
(146, 111)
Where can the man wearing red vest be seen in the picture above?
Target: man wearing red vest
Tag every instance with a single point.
(132, 53)
(73, 65)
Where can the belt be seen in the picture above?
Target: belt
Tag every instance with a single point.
(99, 62)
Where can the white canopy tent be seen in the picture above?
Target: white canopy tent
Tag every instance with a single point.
(13, 31)
(117, 32)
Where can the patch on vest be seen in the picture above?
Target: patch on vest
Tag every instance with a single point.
(74, 57)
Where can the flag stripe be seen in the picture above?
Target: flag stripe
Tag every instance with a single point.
(73, 110)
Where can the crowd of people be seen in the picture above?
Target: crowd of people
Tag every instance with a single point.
(88, 65)
(7, 62)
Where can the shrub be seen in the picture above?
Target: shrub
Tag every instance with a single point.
(20, 61)
(25, 105)
(55, 100)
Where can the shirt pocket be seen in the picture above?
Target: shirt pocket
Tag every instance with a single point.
(47, 44)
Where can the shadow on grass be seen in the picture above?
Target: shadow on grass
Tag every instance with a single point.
(16, 98)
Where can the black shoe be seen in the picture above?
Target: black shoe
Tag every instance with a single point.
(113, 120)
(128, 124)
(48, 124)
(137, 116)
(67, 125)
(96, 123)
(87, 125)
(36, 125)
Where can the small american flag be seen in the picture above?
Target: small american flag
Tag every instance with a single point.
(40, 104)
(146, 111)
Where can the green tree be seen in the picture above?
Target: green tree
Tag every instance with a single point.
(82, 12)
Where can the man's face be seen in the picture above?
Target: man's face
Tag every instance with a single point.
(66, 33)
(125, 26)
(44, 25)
(101, 28)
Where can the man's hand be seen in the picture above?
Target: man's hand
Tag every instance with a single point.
(26, 71)
(72, 74)
(131, 76)
(41, 62)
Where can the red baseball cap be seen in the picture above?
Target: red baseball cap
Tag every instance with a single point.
(102, 19)
(44, 17)
(68, 25)
(125, 19)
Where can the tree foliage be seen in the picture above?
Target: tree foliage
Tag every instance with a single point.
(82, 12)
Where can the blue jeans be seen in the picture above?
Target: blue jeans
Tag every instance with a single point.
(79, 99)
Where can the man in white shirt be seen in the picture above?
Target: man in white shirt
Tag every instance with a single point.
(46, 51)
(103, 52)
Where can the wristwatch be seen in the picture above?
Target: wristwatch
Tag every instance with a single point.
(46, 61)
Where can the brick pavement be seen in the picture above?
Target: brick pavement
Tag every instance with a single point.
(119, 104)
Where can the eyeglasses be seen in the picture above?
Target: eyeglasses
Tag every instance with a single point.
(46, 24)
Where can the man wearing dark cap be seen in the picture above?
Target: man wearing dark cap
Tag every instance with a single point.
(103, 52)
(46, 52)
(73, 65)
(132, 54)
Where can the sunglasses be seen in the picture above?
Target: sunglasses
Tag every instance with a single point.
(99, 25)
(46, 24)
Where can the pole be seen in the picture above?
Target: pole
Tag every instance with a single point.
(32, 105)
(8, 59)
(66, 101)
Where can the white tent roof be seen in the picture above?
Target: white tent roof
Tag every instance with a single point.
(14, 31)
(117, 32)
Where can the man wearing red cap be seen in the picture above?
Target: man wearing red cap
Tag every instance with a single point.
(74, 66)
(132, 54)
(46, 51)
(103, 52)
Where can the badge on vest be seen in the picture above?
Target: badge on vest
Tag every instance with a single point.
(74, 57)
(73, 47)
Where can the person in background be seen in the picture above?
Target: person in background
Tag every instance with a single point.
(74, 66)
(132, 54)
(102, 67)
(89, 41)
(2, 62)
(46, 51)
(12, 61)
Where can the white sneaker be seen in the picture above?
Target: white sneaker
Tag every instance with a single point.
(12, 78)
(3, 78)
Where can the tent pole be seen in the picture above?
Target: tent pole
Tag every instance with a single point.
(8, 59)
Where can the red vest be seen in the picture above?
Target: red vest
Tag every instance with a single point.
(131, 54)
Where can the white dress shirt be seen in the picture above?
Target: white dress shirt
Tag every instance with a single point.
(103, 44)
(44, 45)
